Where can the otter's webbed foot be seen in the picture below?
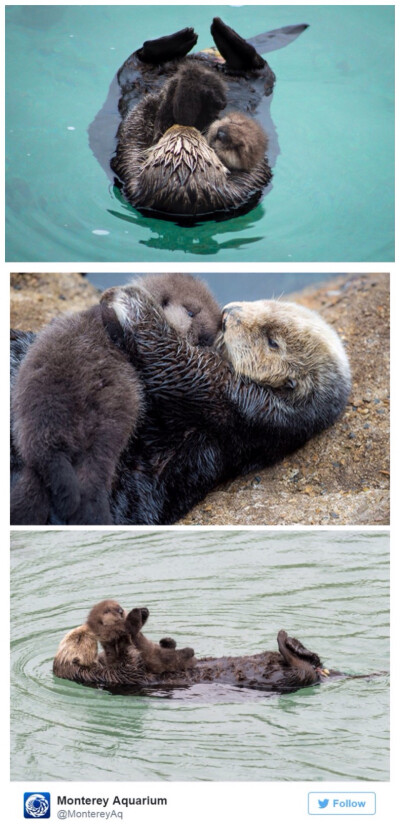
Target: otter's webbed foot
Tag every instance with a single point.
(168, 48)
(239, 54)
(298, 649)
(167, 643)
(294, 652)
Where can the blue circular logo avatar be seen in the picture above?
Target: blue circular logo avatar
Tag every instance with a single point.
(36, 805)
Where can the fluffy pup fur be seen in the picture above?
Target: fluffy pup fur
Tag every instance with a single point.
(77, 400)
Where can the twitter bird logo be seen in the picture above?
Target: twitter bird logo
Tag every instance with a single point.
(322, 804)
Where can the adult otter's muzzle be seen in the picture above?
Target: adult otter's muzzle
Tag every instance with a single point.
(182, 175)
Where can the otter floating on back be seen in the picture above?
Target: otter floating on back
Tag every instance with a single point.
(130, 659)
(169, 159)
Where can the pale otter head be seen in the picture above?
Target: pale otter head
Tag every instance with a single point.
(239, 141)
(78, 647)
(107, 621)
(284, 345)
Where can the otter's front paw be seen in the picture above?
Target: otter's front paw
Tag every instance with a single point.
(127, 304)
(136, 619)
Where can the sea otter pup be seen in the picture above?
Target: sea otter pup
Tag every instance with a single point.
(282, 377)
(157, 658)
(168, 101)
(239, 141)
(122, 663)
(128, 657)
(77, 399)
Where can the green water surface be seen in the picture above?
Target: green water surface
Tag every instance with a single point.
(332, 194)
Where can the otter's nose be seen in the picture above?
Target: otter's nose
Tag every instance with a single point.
(232, 310)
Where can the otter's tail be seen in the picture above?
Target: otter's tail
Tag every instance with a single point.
(30, 504)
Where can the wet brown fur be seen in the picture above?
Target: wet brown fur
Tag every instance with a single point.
(131, 659)
(77, 657)
(128, 657)
(166, 163)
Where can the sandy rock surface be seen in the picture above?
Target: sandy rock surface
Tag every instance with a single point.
(339, 477)
(37, 298)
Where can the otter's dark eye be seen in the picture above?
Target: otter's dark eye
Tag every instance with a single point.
(222, 135)
(120, 611)
(164, 302)
(273, 344)
(191, 312)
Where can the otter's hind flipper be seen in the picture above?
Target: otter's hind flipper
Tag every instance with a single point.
(294, 652)
(238, 53)
(168, 48)
(296, 647)
(277, 38)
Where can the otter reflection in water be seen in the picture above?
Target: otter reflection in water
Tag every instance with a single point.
(188, 143)
(128, 658)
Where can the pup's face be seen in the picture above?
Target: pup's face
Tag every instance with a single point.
(238, 141)
(186, 303)
(107, 619)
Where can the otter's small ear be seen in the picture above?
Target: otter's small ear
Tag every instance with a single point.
(290, 384)
(109, 317)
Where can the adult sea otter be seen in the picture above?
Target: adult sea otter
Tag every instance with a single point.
(129, 659)
(189, 147)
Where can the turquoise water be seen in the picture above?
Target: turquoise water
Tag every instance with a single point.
(332, 194)
(222, 592)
